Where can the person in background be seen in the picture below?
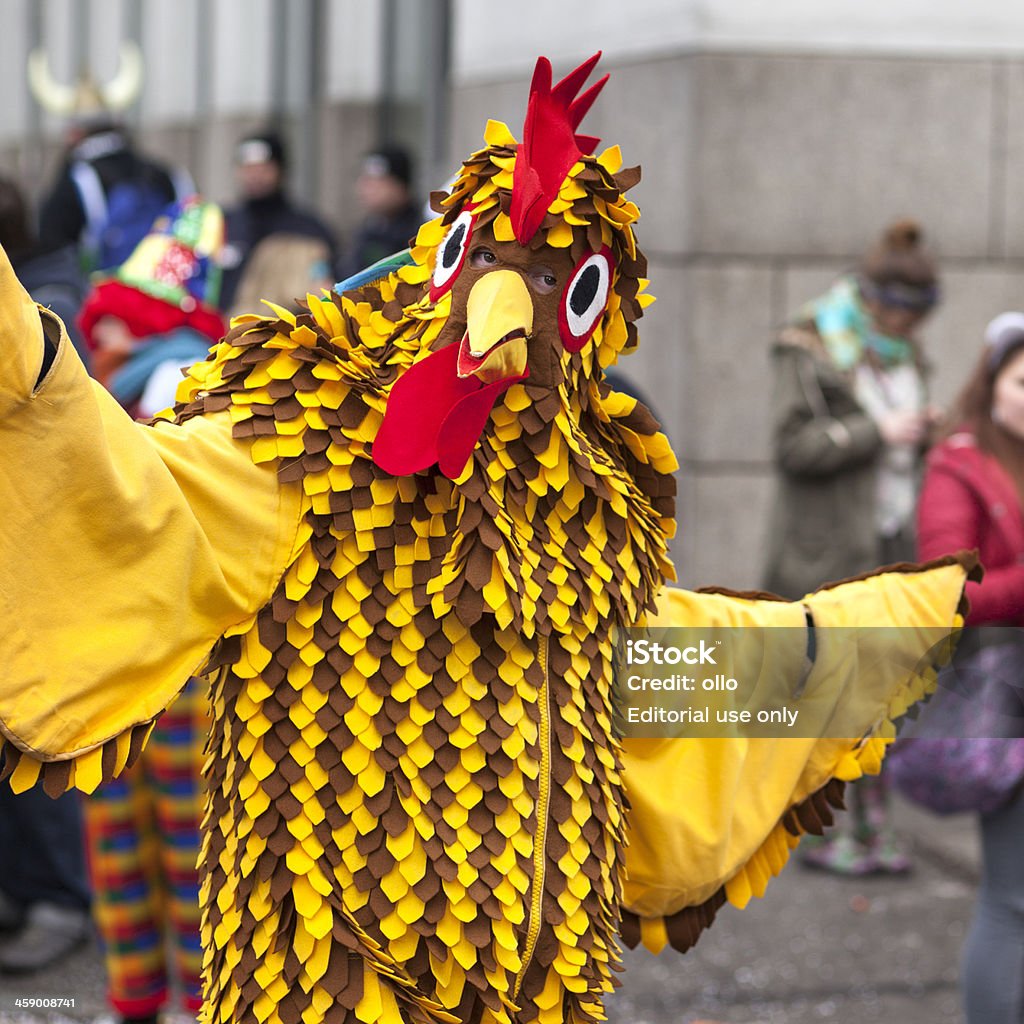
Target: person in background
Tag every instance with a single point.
(972, 498)
(52, 276)
(156, 316)
(850, 419)
(391, 214)
(283, 269)
(44, 894)
(106, 193)
(265, 211)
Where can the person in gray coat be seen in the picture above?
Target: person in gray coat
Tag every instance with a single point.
(850, 418)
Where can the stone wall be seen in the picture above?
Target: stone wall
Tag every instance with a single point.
(764, 176)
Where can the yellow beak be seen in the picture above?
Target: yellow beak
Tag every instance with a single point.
(499, 319)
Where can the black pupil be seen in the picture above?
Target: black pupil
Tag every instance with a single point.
(584, 291)
(453, 247)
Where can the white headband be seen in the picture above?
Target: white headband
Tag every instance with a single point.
(1004, 332)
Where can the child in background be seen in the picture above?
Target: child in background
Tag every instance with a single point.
(158, 313)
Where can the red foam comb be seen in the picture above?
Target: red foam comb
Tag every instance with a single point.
(550, 144)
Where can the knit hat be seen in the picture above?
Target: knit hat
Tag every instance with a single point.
(898, 271)
(388, 161)
(261, 148)
(171, 279)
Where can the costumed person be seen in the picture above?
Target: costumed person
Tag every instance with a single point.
(106, 194)
(142, 836)
(158, 312)
(156, 316)
(267, 221)
(405, 529)
(850, 420)
(391, 214)
(972, 496)
(44, 892)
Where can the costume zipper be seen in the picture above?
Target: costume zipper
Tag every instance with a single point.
(543, 807)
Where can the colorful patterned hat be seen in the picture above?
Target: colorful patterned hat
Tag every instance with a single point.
(177, 260)
(171, 279)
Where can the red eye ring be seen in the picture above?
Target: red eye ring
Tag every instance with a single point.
(585, 298)
(451, 254)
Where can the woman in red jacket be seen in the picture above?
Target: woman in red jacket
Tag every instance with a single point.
(972, 498)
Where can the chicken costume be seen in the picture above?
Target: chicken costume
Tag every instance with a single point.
(410, 523)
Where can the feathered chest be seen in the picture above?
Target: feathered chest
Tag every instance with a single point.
(443, 792)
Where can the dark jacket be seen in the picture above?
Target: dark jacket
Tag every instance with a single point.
(249, 223)
(54, 279)
(378, 237)
(62, 216)
(968, 501)
(823, 522)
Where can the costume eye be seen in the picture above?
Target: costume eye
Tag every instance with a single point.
(451, 254)
(543, 280)
(584, 299)
(482, 257)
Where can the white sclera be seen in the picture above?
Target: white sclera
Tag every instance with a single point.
(452, 250)
(581, 319)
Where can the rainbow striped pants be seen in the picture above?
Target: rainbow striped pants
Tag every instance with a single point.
(142, 833)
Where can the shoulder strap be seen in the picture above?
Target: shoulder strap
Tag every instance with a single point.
(811, 387)
(94, 201)
(183, 184)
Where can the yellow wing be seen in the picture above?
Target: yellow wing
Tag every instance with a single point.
(124, 556)
(713, 819)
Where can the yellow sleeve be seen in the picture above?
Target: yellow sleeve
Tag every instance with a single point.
(126, 551)
(712, 820)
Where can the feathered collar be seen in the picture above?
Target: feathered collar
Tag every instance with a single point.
(559, 522)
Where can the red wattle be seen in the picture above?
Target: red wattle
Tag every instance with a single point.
(434, 416)
(463, 426)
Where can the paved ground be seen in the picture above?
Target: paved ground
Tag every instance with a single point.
(818, 948)
(815, 949)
